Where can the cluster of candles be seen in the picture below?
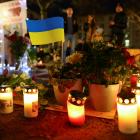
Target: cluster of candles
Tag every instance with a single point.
(30, 100)
(128, 108)
(75, 103)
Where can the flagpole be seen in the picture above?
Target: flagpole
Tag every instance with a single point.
(62, 50)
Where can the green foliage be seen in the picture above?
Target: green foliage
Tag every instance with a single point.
(104, 64)
(18, 48)
(16, 80)
(71, 69)
(32, 53)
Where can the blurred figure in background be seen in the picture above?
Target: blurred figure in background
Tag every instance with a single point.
(118, 25)
(89, 28)
(97, 34)
(70, 28)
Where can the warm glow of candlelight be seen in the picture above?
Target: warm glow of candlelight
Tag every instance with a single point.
(137, 92)
(76, 113)
(138, 104)
(6, 100)
(30, 104)
(127, 118)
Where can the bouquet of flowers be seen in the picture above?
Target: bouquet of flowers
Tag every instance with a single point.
(16, 81)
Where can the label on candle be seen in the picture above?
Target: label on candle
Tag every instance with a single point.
(34, 106)
(4, 104)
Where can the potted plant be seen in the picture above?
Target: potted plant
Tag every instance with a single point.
(67, 77)
(105, 66)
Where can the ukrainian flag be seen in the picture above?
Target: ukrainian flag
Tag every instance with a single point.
(46, 31)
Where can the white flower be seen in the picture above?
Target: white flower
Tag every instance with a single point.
(24, 76)
(22, 84)
(14, 75)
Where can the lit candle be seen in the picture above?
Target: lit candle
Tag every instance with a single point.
(138, 81)
(76, 108)
(30, 101)
(137, 92)
(6, 99)
(127, 113)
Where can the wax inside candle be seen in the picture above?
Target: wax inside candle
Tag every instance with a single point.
(6, 102)
(127, 118)
(30, 105)
(76, 114)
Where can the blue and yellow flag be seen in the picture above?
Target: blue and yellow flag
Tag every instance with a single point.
(46, 31)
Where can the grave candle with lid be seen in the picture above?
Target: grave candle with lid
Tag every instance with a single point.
(127, 113)
(136, 90)
(6, 99)
(76, 107)
(30, 101)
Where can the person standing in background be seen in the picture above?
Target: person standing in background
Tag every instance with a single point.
(118, 25)
(70, 29)
(89, 28)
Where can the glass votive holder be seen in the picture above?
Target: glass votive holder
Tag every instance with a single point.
(127, 113)
(76, 107)
(6, 99)
(30, 94)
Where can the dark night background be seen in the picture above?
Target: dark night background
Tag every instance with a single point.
(82, 7)
(37, 9)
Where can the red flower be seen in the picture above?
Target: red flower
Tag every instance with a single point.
(14, 93)
(84, 82)
(12, 37)
(131, 60)
(34, 78)
(15, 37)
(5, 72)
(126, 53)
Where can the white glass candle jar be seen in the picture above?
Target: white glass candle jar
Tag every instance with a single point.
(127, 113)
(76, 107)
(30, 101)
(136, 90)
(6, 99)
